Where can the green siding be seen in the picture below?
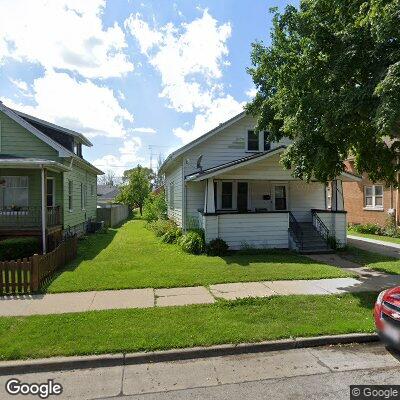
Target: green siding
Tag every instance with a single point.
(79, 175)
(17, 141)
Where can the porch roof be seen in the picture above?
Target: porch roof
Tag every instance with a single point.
(8, 161)
(241, 162)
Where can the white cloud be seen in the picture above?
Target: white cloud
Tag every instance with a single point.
(189, 58)
(251, 93)
(144, 130)
(78, 105)
(21, 85)
(222, 109)
(128, 157)
(66, 34)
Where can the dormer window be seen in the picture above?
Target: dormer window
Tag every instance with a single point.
(78, 149)
(258, 142)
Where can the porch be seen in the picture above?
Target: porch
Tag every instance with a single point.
(31, 198)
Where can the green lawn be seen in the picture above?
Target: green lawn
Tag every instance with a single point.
(249, 320)
(371, 260)
(132, 257)
(376, 237)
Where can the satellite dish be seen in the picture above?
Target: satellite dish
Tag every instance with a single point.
(198, 164)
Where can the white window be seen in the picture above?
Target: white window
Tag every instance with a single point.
(70, 195)
(171, 196)
(92, 190)
(226, 195)
(14, 191)
(258, 142)
(373, 197)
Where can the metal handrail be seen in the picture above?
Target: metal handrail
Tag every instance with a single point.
(320, 227)
(295, 230)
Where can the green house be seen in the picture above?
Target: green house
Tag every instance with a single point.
(47, 188)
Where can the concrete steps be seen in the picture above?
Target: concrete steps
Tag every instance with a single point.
(313, 243)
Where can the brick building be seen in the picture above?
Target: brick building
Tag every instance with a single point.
(369, 202)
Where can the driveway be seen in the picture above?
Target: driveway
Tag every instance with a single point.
(376, 246)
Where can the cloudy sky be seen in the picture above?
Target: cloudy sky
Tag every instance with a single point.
(137, 77)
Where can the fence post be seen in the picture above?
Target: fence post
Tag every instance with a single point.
(35, 273)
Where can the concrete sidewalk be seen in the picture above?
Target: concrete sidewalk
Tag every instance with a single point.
(144, 298)
(376, 246)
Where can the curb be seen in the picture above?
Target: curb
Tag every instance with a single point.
(112, 360)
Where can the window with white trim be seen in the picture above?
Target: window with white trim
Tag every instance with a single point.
(227, 195)
(83, 196)
(14, 191)
(373, 197)
(171, 196)
(257, 142)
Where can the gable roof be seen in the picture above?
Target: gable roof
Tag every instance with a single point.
(240, 162)
(201, 139)
(59, 128)
(62, 151)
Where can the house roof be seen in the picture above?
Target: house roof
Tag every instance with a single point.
(62, 151)
(201, 139)
(222, 168)
(59, 128)
(107, 192)
(9, 161)
(240, 162)
(23, 120)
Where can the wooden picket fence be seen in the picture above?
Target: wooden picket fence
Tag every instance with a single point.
(29, 274)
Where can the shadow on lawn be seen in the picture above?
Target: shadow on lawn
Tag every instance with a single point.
(88, 249)
(248, 257)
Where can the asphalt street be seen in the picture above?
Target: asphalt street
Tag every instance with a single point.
(313, 373)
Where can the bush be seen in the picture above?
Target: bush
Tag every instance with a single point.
(12, 249)
(217, 247)
(161, 226)
(155, 207)
(172, 235)
(192, 242)
(373, 229)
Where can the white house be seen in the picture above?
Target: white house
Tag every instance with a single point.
(230, 183)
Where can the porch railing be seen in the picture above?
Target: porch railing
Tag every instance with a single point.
(28, 217)
(319, 226)
(296, 231)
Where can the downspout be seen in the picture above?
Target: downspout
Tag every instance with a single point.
(43, 173)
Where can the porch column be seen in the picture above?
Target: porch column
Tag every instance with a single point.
(337, 196)
(209, 206)
(44, 210)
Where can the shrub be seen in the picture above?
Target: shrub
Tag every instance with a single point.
(12, 249)
(161, 226)
(172, 235)
(155, 207)
(192, 242)
(217, 247)
(373, 229)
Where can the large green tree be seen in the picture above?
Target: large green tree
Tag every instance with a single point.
(330, 81)
(136, 188)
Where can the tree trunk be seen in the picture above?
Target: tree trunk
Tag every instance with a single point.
(141, 210)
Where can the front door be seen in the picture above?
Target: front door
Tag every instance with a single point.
(242, 189)
(280, 198)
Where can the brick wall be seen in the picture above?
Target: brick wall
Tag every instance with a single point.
(354, 201)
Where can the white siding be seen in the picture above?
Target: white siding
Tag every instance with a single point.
(175, 210)
(305, 196)
(225, 146)
(337, 225)
(194, 201)
(267, 230)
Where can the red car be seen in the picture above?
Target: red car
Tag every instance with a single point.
(387, 316)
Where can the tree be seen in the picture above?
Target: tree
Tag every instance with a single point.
(109, 178)
(330, 81)
(136, 189)
(149, 172)
(158, 176)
